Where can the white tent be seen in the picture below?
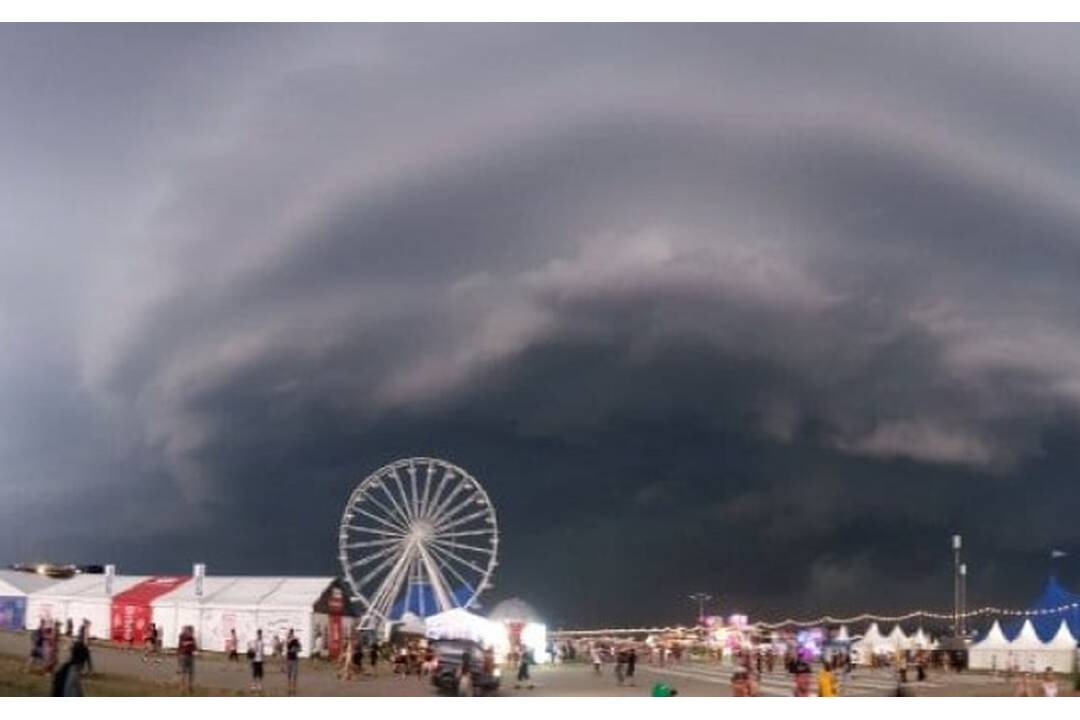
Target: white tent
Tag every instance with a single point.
(990, 653)
(1060, 652)
(460, 624)
(412, 624)
(15, 586)
(1028, 653)
(243, 604)
(1026, 639)
(842, 634)
(919, 641)
(871, 643)
(83, 597)
(897, 640)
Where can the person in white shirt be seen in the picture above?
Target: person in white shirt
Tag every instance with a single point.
(257, 657)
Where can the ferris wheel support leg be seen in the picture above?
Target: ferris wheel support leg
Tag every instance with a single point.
(442, 597)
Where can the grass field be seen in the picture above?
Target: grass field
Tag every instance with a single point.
(14, 681)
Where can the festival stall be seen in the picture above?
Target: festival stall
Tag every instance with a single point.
(1026, 650)
(15, 586)
(871, 644)
(335, 617)
(1060, 652)
(411, 624)
(920, 641)
(460, 624)
(991, 652)
(523, 626)
(132, 610)
(83, 597)
(291, 605)
(897, 640)
(218, 605)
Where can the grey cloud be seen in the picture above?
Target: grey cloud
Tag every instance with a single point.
(793, 279)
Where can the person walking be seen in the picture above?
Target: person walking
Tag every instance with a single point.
(595, 653)
(801, 669)
(631, 664)
(232, 647)
(345, 672)
(84, 638)
(185, 656)
(292, 660)
(256, 654)
(620, 667)
(67, 681)
(524, 660)
(374, 658)
(37, 648)
(150, 645)
(52, 647)
(826, 681)
(740, 683)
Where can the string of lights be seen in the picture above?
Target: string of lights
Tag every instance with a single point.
(927, 614)
(831, 620)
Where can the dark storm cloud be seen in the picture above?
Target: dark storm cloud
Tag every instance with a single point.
(767, 311)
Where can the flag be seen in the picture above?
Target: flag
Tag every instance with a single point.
(1055, 554)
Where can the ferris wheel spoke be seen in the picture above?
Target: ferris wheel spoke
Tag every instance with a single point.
(368, 559)
(383, 600)
(442, 506)
(462, 546)
(415, 496)
(399, 512)
(395, 515)
(435, 499)
(390, 523)
(464, 533)
(402, 495)
(395, 557)
(463, 561)
(444, 563)
(371, 543)
(427, 489)
(462, 520)
(376, 531)
(458, 507)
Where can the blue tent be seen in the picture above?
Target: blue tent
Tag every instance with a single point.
(12, 612)
(420, 600)
(1046, 625)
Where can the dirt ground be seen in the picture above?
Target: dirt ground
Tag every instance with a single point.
(124, 672)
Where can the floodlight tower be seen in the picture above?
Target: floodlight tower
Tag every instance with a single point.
(701, 598)
(957, 543)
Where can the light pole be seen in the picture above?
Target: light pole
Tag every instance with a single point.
(963, 599)
(956, 545)
(701, 598)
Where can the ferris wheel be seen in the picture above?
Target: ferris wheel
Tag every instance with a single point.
(417, 534)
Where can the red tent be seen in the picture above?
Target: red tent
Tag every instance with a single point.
(131, 611)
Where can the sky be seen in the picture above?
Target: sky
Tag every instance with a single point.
(767, 312)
